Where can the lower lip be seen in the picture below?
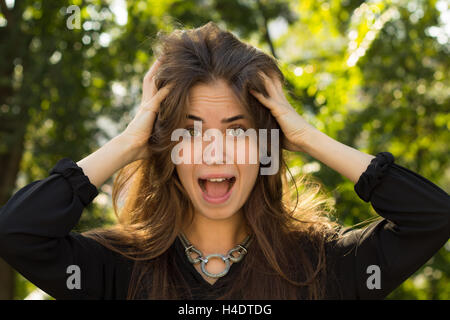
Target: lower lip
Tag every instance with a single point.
(220, 200)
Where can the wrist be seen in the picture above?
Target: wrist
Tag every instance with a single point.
(105, 161)
(303, 133)
(129, 150)
(310, 138)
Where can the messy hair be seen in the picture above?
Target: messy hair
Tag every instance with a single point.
(290, 220)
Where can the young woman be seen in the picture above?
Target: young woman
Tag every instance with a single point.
(211, 229)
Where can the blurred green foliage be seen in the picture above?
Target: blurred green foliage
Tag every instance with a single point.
(371, 74)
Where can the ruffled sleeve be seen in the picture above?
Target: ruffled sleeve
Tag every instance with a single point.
(36, 238)
(414, 225)
(80, 183)
(373, 175)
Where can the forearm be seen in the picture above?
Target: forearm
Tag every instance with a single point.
(103, 163)
(346, 160)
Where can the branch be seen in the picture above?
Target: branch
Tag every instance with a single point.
(266, 29)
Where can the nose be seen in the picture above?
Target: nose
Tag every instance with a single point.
(215, 148)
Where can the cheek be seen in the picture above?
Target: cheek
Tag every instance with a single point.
(185, 153)
(248, 174)
(247, 162)
(185, 172)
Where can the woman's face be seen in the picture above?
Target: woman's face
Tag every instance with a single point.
(216, 182)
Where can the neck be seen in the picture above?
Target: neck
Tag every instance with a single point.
(216, 236)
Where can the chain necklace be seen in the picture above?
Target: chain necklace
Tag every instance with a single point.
(240, 249)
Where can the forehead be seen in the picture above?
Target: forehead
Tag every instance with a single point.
(213, 98)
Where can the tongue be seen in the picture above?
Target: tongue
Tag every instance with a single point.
(216, 189)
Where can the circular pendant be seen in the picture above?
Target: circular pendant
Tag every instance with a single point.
(215, 275)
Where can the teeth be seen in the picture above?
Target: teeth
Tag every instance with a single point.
(231, 179)
(217, 179)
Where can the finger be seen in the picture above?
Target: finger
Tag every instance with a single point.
(277, 83)
(162, 93)
(265, 101)
(258, 95)
(152, 71)
(154, 103)
(268, 83)
(149, 87)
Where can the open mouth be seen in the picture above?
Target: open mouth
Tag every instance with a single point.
(217, 189)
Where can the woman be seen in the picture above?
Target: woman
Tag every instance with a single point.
(211, 230)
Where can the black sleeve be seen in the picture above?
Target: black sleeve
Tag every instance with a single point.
(415, 225)
(36, 238)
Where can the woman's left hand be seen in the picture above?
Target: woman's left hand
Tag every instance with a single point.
(294, 126)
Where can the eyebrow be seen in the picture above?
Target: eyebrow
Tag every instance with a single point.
(225, 120)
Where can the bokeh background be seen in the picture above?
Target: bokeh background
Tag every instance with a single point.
(371, 74)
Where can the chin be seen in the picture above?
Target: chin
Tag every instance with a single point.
(217, 214)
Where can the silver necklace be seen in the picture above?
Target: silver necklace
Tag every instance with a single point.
(240, 250)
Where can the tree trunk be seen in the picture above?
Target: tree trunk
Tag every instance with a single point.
(7, 281)
(10, 163)
(12, 126)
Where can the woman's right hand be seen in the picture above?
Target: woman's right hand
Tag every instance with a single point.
(139, 130)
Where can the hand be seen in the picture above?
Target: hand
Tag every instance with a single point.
(139, 130)
(291, 123)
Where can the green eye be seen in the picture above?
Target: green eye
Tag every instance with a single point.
(193, 132)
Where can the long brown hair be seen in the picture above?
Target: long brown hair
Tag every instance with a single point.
(287, 256)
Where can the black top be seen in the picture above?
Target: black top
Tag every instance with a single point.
(36, 237)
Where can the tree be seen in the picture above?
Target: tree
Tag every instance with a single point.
(375, 81)
(54, 84)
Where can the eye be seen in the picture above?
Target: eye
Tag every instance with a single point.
(236, 132)
(193, 132)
